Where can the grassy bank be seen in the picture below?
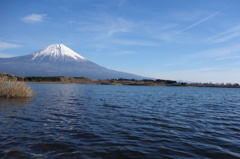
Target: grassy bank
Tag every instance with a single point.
(10, 87)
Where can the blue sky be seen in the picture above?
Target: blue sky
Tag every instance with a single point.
(191, 40)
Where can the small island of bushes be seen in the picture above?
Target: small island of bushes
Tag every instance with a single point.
(11, 87)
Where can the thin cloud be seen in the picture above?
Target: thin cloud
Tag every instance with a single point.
(197, 23)
(218, 52)
(119, 25)
(225, 36)
(209, 57)
(134, 42)
(215, 75)
(34, 18)
(121, 2)
(228, 58)
(124, 52)
(171, 35)
(102, 26)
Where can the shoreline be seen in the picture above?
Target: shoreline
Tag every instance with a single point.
(120, 81)
(119, 84)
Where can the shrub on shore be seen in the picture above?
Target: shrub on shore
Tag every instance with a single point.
(11, 88)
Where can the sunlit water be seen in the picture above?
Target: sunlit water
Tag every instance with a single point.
(94, 121)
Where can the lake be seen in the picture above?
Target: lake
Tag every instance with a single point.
(103, 121)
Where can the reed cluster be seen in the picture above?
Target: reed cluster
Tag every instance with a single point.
(10, 87)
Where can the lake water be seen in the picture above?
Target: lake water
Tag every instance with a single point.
(96, 121)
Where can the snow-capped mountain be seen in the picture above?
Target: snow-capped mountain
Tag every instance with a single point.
(58, 60)
(57, 53)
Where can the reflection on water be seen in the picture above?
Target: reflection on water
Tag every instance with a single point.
(88, 121)
(9, 108)
(6, 102)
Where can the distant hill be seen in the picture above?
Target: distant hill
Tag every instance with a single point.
(59, 60)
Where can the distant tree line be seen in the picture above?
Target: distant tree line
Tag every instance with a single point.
(147, 80)
(41, 79)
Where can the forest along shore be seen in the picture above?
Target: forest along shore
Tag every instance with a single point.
(120, 81)
(84, 80)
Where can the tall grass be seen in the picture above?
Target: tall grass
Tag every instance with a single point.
(10, 87)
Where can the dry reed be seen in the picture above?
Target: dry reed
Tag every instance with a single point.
(11, 88)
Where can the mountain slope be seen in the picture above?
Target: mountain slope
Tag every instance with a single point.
(58, 60)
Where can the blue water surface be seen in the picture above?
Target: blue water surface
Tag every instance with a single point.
(97, 121)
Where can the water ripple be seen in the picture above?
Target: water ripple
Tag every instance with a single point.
(87, 121)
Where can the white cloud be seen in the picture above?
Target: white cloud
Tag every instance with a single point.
(4, 45)
(34, 18)
(5, 55)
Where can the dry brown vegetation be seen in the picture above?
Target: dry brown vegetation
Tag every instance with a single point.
(11, 88)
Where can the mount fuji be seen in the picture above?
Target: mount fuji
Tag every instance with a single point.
(59, 60)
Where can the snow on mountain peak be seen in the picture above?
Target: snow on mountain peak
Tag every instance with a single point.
(58, 52)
